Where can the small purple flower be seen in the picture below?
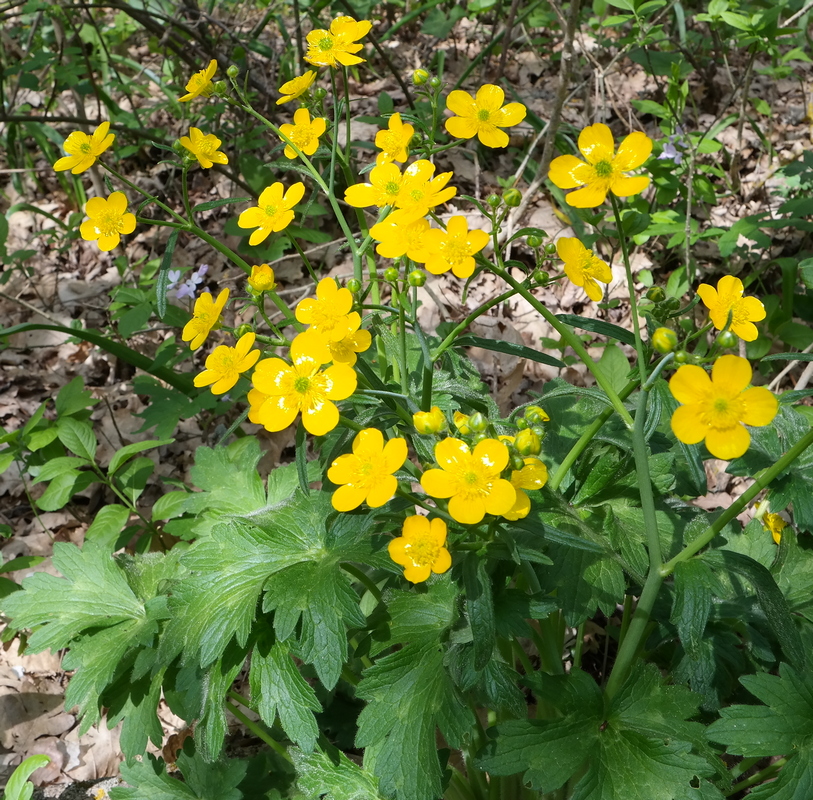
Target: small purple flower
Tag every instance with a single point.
(671, 145)
(174, 276)
(189, 288)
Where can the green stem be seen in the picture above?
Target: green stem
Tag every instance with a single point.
(458, 329)
(362, 577)
(402, 332)
(759, 777)
(577, 650)
(303, 256)
(636, 325)
(185, 192)
(761, 481)
(259, 732)
(347, 149)
(522, 656)
(572, 339)
(151, 198)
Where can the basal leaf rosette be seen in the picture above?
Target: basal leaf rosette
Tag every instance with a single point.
(603, 170)
(421, 549)
(470, 480)
(366, 474)
(727, 299)
(717, 408)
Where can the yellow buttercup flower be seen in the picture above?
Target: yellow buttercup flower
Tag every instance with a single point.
(429, 422)
(421, 548)
(483, 115)
(775, 524)
(604, 170)
(454, 248)
(471, 479)
(282, 390)
(304, 133)
(461, 422)
(337, 46)
(205, 318)
(533, 476)
(200, 83)
(727, 297)
(107, 220)
(420, 192)
(204, 147)
(262, 278)
(273, 212)
(296, 87)
(366, 474)
(384, 187)
(718, 408)
(393, 142)
(225, 364)
(83, 150)
(582, 267)
(345, 350)
(399, 239)
(329, 312)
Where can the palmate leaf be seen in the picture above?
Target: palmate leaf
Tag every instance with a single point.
(640, 747)
(333, 777)
(294, 553)
(783, 726)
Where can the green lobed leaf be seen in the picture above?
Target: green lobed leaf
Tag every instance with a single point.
(332, 777)
(510, 348)
(480, 608)
(692, 603)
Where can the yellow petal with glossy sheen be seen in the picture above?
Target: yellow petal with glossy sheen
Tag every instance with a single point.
(117, 202)
(438, 530)
(416, 526)
(271, 195)
(465, 268)
(88, 231)
(467, 511)
(600, 270)
(492, 454)
(107, 243)
(596, 143)
(591, 288)
(437, 265)
(294, 194)
(686, 424)
(492, 136)
(395, 454)
(588, 197)
(368, 441)
(382, 492)
(461, 103)
(442, 563)
(477, 239)
(708, 294)
(633, 151)
(361, 195)
(753, 308)
(489, 97)
(95, 206)
(437, 483)
(747, 331)
(343, 380)
(128, 223)
(568, 172)
(461, 127)
(346, 498)
(501, 498)
(512, 114)
(521, 507)
(449, 451)
(760, 406)
(570, 249)
(251, 218)
(731, 373)
(690, 384)
(624, 186)
(276, 414)
(397, 549)
(343, 469)
(728, 444)
(321, 420)
(417, 574)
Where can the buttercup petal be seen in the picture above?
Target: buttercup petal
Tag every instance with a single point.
(760, 406)
(570, 249)
(489, 97)
(511, 114)
(747, 331)
(276, 414)
(492, 136)
(368, 441)
(417, 574)
(596, 143)
(395, 454)
(342, 381)
(416, 527)
(731, 372)
(468, 510)
(690, 384)
(633, 152)
(461, 103)
(361, 195)
(346, 498)
(753, 308)
(443, 562)
(382, 492)
(343, 469)
(322, 419)
(397, 549)
(450, 451)
(294, 194)
(686, 426)
(568, 172)
(591, 288)
(437, 483)
(128, 223)
(464, 269)
(521, 507)
(708, 294)
(501, 498)
(728, 444)
(461, 127)
(589, 196)
(492, 454)
(626, 186)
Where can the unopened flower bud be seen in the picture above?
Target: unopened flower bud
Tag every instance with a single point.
(528, 443)
(550, 249)
(391, 274)
(461, 422)
(220, 87)
(433, 421)
(354, 285)
(656, 294)
(319, 93)
(682, 357)
(416, 278)
(540, 276)
(435, 82)
(671, 304)
(664, 340)
(512, 197)
(540, 432)
(521, 423)
(727, 339)
(243, 330)
(534, 241)
(494, 200)
(233, 71)
(262, 278)
(420, 77)
(478, 422)
(536, 414)
(517, 463)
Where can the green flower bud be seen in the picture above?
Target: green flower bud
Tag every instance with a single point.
(540, 276)
(671, 304)
(528, 443)
(480, 437)
(522, 424)
(319, 93)
(682, 357)
(233, 71)
(391, 274)
(512, 197)
(420, 77)
(435, 82)
(534, 241)
(536, 414)
(416, 278)
(550, 249)
(494, 200)
(243, 330)
(727, 339)
(517, 463)
(478, 422)
(664, 340)
(540, 432)
(656, 294)
(221, 87)
(354, 285)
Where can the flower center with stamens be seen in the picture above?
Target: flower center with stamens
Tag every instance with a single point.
(302, 384)
(326, 43)
(604, 169)
(422, 554)
(483, 115)
(270, 211)
(108, 224)
(85, 147)
(455, 251)
(392, 188)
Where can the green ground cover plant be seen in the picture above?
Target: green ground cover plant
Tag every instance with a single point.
(410, 596)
